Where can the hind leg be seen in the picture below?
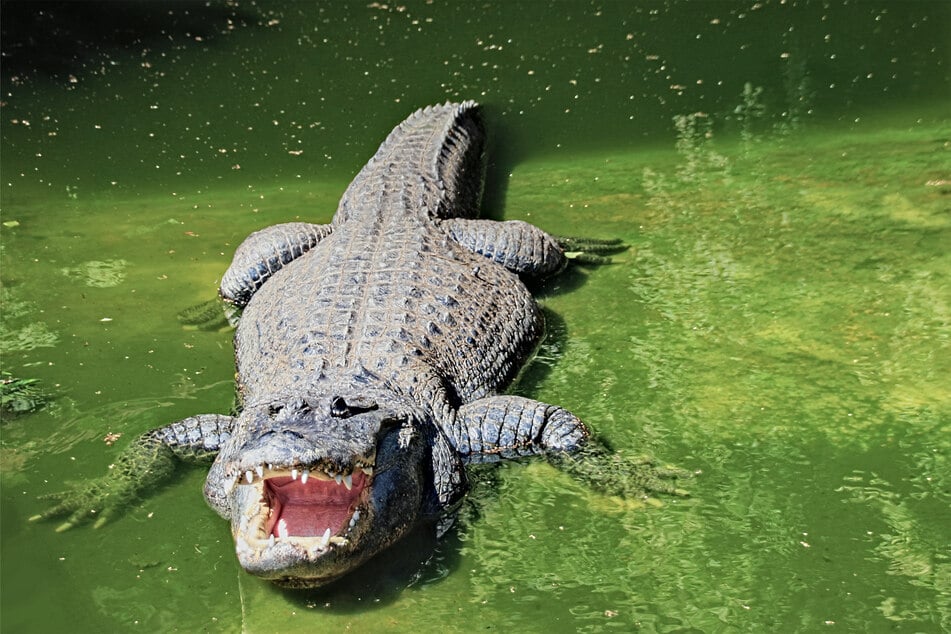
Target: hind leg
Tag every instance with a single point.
(265, 252)
(525, 249)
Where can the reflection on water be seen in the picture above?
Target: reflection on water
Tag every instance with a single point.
(780, 322)
(19, 330)
(98, 274)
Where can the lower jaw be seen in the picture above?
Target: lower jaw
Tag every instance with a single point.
(303, 583)
(299, 561)
(274, 552)
(303, 574)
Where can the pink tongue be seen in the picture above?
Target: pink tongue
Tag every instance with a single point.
(308, 510)
(310, 520)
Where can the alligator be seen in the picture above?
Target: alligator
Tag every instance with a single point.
(372, 354)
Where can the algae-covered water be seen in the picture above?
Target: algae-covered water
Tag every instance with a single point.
(779, 324)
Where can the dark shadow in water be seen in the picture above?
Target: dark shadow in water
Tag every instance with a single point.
(58, 38)
(549, 351)
(502, 155)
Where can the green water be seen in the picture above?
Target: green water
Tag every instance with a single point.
(779, 324)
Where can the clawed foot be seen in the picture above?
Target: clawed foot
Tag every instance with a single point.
(97, 500)
(622, 473)
(641, 476)
(141, 465)
(589, 250)
(215, 314)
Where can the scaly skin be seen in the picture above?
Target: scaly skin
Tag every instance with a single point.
(370, 356)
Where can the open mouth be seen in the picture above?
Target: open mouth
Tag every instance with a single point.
(312, 504)
(310, 509)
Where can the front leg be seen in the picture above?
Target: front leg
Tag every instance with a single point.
(510, 426)
(145, 463)
(499, 427)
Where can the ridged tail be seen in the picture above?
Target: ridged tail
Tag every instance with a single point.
(435, 158)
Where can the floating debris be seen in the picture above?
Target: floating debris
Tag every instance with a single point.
(20, 396)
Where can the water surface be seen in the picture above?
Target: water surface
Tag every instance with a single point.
(779, 324)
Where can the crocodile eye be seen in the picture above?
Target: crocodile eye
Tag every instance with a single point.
(339, 408)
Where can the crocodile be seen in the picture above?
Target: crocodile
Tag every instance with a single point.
(371, 358)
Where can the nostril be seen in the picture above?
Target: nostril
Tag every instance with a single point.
(292, 433)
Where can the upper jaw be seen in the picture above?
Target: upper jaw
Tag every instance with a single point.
(245, 472)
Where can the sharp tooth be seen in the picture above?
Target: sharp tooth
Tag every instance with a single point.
(338, 478)
(348, 481)
(368, 470)
(232, 483)
(304, 476)
(337, 540)
(271, 540)
(259, 470)
(282, 529)
(248, 476)
(325, 539)
(293, 474)
(270, 467)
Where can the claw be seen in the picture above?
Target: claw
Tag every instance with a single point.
(582, 257)
(213, 314)
(590, 245)
(629, 475)
(585, 250)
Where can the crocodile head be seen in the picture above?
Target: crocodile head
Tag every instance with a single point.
(314, 488)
